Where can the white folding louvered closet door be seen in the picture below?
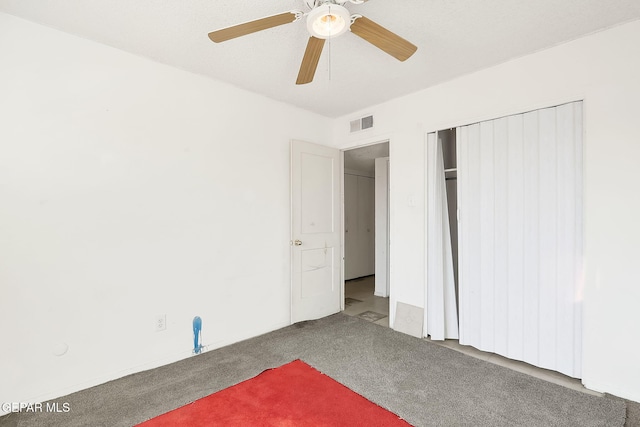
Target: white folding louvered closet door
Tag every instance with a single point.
(520, 236)
(440, 314)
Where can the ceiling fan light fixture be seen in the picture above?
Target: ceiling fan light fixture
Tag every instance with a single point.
(328, 21)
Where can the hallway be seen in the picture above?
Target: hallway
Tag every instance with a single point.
(360, 301)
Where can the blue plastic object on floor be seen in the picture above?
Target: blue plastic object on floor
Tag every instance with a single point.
(197, 333)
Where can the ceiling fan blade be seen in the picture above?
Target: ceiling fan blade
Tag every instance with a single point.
(382, 38)
(228, 33)
(310, 60)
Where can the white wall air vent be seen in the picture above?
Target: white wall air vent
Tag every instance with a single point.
(361, 124)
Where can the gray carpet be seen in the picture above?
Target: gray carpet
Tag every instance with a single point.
(426, 384)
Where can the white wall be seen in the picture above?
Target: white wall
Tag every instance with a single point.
(130, 189)
(381, 200)
(603, 69)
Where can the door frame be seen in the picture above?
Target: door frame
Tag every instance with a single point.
(381, 139)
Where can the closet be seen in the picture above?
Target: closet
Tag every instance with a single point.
(518, 208)
(359, 199)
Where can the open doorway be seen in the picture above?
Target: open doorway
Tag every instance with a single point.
(366, 233)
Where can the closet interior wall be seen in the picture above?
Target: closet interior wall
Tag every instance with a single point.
(448, 139)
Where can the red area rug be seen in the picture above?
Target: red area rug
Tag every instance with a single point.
(294, 394)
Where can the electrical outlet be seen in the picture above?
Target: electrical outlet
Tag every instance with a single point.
(161, 322)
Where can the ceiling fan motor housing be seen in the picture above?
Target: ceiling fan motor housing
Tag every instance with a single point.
(315, 3)
(328, 20)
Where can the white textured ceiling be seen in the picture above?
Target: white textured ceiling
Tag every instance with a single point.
(454, 37)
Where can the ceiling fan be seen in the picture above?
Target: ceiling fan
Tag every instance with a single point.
(325, 19)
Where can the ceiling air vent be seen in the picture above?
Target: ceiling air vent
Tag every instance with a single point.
(361, 124)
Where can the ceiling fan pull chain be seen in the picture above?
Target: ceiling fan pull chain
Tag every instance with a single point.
(329, 55)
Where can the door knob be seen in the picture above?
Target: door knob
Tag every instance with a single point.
(297, 242)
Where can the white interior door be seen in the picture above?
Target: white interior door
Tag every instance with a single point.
(352, 253)
(440, 314)
(315, 231)
(366, 225)
(359, 208)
